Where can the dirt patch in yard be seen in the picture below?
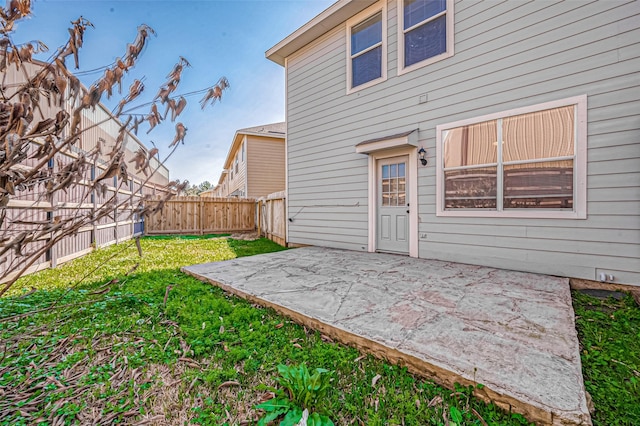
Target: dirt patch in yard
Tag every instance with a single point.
(245, 236)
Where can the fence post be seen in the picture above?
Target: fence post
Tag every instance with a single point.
(201, 222)
(115, 216)
(94, 231)
(51, 253)
(259, 219)
(271, 217)
(53, 250)
(132, 226)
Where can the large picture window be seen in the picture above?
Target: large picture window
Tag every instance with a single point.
(513, 163)
(366, 49)
(426, 32)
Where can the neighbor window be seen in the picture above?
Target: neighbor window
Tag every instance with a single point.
(426, 32)
(366, 49)
(508, 164)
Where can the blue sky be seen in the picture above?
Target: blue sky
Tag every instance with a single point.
(218, 37)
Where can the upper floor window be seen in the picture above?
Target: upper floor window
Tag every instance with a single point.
(529, 162)
(242, 152)
(236, 166)
(426, 32)
(366, 48)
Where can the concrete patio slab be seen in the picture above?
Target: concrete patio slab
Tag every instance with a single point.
(513, 332)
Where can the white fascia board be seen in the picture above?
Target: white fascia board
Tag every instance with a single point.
(266, 135)
(331, 17)
(235, 143)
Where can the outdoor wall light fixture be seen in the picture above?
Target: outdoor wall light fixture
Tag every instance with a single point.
(423, 154)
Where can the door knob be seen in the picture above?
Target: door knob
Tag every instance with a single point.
(407, 211)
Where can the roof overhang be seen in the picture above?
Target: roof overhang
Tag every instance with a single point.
(401, 140)
(330, 18)
(222, 175)
(268, 134)
(235, 144)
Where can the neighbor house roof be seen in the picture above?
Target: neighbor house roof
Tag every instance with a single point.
(222, 175)
(331, 17)
(273, 130)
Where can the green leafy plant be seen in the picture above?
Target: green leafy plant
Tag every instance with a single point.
(304, 391)
(456, 414)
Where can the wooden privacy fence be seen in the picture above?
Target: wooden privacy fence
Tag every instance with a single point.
(202, 215)
(272, 220)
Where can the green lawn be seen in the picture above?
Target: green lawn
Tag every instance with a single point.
(136, 338)
(609, 333)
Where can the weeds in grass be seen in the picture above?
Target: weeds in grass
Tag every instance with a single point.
(609, 332)
(190, 355)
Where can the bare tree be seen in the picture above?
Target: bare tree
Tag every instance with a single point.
(43, 115)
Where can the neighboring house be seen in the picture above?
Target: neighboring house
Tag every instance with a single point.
(255, 165)
(209, 192)
(98, 126)
(526, 114)
(220, 190)
(102, 127)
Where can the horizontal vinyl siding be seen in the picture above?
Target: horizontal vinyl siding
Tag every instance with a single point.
(265, 158)
(238, 183)
(327, 186)
(507, 55)
(472, 69)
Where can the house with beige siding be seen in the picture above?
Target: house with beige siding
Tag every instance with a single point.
(255, 164)
(98, 127)
(504, 134)
(218, 190)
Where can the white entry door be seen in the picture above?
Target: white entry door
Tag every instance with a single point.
(393, 205)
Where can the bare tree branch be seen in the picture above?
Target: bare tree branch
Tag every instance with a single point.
(59, 181)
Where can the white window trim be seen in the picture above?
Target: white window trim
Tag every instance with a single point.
(360, 17)
(450, 39)
(579, 168)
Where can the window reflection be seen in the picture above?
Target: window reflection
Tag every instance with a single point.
(535, 159)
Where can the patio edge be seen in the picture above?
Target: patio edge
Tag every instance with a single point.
(415, 365)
